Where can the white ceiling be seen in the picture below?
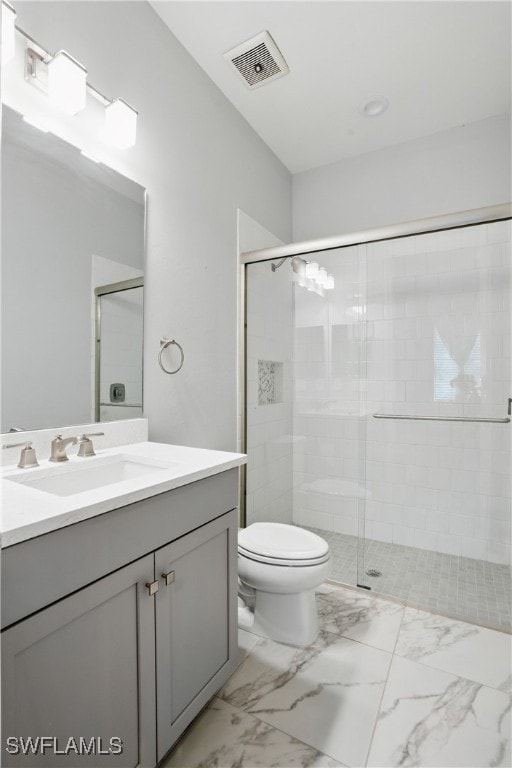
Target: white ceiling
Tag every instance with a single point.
(440, 64)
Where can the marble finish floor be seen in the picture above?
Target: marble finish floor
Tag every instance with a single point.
(383, 685)
(472, 590)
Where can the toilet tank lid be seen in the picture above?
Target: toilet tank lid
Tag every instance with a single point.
(282, 541)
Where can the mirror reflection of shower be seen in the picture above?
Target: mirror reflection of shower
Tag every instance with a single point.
(119, 337)
(308, 274)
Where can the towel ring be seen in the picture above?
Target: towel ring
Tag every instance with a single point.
(164, 343)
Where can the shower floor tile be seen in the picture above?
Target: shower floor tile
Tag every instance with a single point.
(472, 590)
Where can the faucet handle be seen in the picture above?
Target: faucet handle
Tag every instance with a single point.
(86, 447)
(27, 456)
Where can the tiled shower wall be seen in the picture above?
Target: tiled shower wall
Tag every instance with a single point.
(435, 312)
(269, 394)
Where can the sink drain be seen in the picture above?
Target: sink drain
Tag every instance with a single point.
(373, 572)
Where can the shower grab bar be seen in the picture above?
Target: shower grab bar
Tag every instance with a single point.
(441, 418)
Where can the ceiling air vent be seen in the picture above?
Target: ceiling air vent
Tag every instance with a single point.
(258, 60)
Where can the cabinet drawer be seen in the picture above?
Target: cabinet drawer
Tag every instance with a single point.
(37, 572)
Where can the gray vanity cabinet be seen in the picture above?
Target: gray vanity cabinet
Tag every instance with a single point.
(195, 643)
(122, 626)
(84, 667)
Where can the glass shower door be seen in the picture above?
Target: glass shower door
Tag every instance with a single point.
(306, 402)
(330, 407)
(438, 353)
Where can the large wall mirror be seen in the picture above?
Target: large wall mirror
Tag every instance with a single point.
(71, 284)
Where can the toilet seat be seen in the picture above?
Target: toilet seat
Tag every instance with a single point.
(282, 544)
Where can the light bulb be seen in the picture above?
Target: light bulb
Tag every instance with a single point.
(66, 83)
(8, 32)
(329, 283)
(120, 124)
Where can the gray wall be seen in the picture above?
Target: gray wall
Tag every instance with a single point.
(465, 167)
(200, 161)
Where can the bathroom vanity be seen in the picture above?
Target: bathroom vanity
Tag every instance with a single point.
(119, 606)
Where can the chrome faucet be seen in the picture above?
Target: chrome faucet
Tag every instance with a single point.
(59, 445)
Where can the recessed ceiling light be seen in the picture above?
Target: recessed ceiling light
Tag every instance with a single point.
(374, 106)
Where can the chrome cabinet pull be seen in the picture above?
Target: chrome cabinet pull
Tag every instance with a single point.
(152, 587)
(169, 577)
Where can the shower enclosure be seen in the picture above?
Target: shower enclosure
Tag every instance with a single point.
(118, 350)
(377, 407)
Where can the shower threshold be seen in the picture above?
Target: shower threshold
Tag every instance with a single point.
(471, 590)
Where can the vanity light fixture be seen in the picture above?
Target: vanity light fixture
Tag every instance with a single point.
(64, 80)
(120, 124)
(67, 83)
(8, 32)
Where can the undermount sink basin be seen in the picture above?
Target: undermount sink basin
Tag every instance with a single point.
(73, 478)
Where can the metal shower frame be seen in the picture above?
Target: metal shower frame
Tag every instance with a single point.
(456, 220)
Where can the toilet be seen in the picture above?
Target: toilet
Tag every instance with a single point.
(279, 567)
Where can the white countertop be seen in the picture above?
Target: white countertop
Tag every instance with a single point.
(28, 512)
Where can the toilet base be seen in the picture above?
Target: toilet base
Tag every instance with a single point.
(290, 618)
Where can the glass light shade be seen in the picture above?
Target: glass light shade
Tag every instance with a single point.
(299, 266)
(329, 283)
(321, 276)
(311, 269)
(66, 83)
(120, 124)
(8, 32)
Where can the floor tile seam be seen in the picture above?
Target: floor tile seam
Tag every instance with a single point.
(280, 730)
(242, 660)
(379, 708)
(190, 727)
(359, 642)
(453, 674)
(243, 712)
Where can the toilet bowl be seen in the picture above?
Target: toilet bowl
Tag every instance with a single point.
(279, 567)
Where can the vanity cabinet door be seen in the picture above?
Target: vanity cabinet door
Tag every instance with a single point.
(82, 672)
(195, 623)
